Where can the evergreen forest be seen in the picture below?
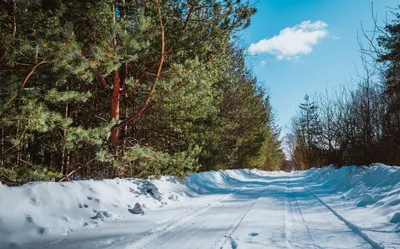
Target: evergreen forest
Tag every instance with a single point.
(129, 88)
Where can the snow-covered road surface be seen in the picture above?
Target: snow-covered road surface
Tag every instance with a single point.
(321, 208)
(255, 210)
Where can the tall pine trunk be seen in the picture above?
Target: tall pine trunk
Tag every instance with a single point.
(125, 97)
(65, 157)
(115, 103)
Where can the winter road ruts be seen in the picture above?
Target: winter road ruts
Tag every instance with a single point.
(262, 212)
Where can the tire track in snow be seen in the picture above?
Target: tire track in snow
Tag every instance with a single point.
(350, 225)
(305, 223)
(228, 236)
(202, 224)
(178, 225)
(175, 222)
(340, 232)
(192, 230)
(168, 236)
(328, 221)
(298, 225)
(186, 230)
(287, 205)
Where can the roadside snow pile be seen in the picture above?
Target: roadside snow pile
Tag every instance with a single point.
(53, 209)
(359, 192)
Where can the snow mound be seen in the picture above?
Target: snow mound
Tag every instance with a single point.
(360, 192)
(53, 209)
(395, 218)
(368, 199)
(137, 209)
(102, 215)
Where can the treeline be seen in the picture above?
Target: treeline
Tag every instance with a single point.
(107, 88)
(355, 126)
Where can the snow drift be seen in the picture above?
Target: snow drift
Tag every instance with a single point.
(49, 209)
(369, 188)
(369, 197)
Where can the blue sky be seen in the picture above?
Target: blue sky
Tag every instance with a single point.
(315, 46)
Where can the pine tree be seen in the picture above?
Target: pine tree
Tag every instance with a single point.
(389, 57)
(123, 88)
(308, 130)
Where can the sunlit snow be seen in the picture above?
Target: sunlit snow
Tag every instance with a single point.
(353, 207)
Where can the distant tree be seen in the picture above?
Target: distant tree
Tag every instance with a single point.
(388, 55)
(308, 131)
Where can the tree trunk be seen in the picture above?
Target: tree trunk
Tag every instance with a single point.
(2, 147)
(115, 104)
(65, 161)
(126, 114)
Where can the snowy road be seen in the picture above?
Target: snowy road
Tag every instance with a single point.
(262, 212)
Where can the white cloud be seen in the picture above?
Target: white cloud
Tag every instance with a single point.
(292, 41)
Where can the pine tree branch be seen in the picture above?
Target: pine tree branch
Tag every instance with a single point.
(157, 63)
(2, 56)
(188, 17)
(14, 18)
(32, 71)
(69, 174)
(29, 75)
(191, 11)
(153, 89)
(103, 81)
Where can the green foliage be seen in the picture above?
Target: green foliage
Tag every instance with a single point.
(77, 137)
(58, 73)
(240, 128)
(145, 161)
(389, 55)
(25, 174)
(55, 96)
(307, 132)
(34, 116)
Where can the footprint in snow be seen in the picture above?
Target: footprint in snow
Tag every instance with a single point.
(233, 243)
(83, 206)
(29, 219)
(42, 230)
(394, 203)
(34, 201)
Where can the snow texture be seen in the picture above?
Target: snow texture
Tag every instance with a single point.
(353, 207)
(137, 209)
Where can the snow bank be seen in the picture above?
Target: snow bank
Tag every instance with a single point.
(364, 186)
(359, 192)
(52, 209)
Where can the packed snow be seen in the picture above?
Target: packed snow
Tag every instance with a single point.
(351, 207)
